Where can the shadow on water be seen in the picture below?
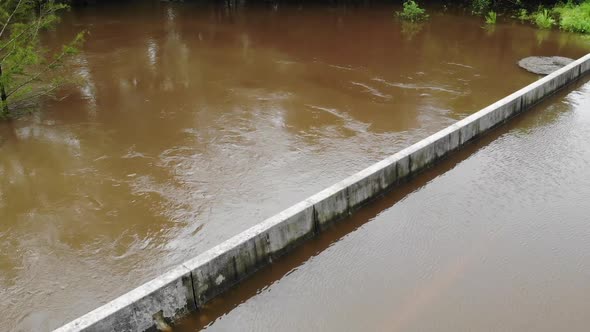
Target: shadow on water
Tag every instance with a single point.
(263, 279)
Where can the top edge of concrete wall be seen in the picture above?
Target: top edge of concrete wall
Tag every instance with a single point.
(189, 285)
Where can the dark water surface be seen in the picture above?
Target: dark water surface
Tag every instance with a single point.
(497, 238)
(196, 122)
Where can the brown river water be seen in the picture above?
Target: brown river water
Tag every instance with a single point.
(495, 238)
(195, 122)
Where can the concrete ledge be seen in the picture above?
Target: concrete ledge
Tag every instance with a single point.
(331, 204)
(171, 293)
(218, 269)
(200, 279)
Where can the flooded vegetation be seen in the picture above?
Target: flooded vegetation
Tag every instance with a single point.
(197, 121)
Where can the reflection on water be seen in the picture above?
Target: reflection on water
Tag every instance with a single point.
(410, 29)
(198, 121)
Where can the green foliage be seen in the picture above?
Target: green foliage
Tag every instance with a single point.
(575, 18)
(523, 15)
(412, 12)
(543, 19)
(27, 70)
(491, 17)
(480, 6)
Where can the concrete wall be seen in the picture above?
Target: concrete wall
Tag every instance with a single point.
(192, 284)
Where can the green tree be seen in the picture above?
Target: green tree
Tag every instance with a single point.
(27, 70)
(412, 12)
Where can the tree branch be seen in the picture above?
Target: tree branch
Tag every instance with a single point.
(10, 17)
(35, 77)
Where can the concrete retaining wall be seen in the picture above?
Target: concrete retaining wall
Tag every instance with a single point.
(192, 284)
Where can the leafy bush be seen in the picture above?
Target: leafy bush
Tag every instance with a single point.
(491, 17)
(27, 70)
(574, 18)
(480, 6)
(412, 12)
(543, 19)
(523, 14)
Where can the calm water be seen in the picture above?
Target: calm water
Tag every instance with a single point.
(495, 239)
(195, 122)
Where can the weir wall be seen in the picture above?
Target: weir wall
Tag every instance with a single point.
(190, 285)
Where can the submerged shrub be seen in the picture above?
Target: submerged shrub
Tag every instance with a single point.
(543, 19)
(410, 29)
(480, 6)
(574, 18)
(491, 17)
(412, 12)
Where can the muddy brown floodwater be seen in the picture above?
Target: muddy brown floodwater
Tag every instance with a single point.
(196, 122)
(495, 238)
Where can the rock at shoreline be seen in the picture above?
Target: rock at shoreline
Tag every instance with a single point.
(544, 65)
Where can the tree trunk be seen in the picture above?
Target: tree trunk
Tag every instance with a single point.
(3, 96)
(38, 8)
